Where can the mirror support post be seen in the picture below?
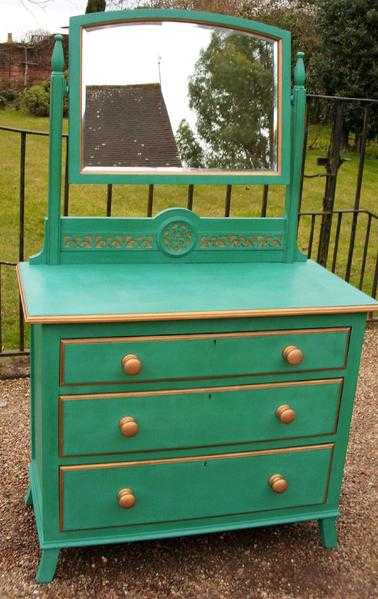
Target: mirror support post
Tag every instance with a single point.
(57, 93)
(293, 189)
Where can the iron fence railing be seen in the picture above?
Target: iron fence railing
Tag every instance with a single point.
(343, 240)
(369, 233)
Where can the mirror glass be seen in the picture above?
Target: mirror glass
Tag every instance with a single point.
(179, 97)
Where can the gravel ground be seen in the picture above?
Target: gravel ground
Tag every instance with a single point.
(284, 562)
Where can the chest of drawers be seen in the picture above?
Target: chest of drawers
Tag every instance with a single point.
(153, 428)
(188, 375)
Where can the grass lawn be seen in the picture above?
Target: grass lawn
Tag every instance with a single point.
(132, 201)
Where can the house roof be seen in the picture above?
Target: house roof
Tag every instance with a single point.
(128, 126)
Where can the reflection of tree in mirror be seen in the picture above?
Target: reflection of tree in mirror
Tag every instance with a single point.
(232, 94)
(189, 149)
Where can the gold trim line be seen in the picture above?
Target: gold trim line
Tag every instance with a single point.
(194, 390)
(187, 337)
(172, 392)
(200, 315)
(164, 316)
(195, 336)
(64, 469)
(242, 454)
(21, 292)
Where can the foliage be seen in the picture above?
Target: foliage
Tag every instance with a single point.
(126, 4)
(300, 17)
(224, 6)
(95, 6)
(189, 149)
(9, 98)
(101, 5)
(346, 64)
(231, 93)
(9, 94)
(338, 38)
(35, 36)
(36, 100)
(297, 16)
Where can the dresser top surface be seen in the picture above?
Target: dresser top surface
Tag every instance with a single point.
(111, 293)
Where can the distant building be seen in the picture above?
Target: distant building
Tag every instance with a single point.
(128, 126)
(23, 64)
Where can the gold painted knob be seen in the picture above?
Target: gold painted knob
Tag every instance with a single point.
(131, 364)
(285, 414)
(292, 355)
(128, 426)
(126, 498)
(278, 484)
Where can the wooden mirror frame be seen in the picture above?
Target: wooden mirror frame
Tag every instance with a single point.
(88, 240)
(283, 38)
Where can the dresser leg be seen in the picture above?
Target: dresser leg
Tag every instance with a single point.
(29, 496)
(47, 565)
(328, 532)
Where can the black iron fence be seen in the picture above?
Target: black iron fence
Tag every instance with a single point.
(344, 239)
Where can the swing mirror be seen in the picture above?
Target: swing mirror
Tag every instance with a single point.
(168, 99)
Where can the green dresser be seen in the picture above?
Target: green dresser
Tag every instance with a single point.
(188, 375)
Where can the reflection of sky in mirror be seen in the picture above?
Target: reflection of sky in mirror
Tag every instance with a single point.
(147, 56)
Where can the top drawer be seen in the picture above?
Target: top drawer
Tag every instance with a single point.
(201, 356)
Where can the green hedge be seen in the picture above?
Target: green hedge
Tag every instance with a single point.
(36, 100)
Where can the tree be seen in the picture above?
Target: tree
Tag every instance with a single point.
(231, 93)
(189, 149)
(297, 16)
(300, 17)
(347, 64)
(347, 61)
(35, 36)
(122, 4)
(95, 6)
(92, 5)
(225, 6)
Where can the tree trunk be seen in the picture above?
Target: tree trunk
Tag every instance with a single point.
(345, 137)
(333, 166)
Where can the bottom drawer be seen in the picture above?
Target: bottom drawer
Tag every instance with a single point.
(192, 487)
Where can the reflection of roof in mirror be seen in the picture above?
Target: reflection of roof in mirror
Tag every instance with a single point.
(128, 126)
(217, 86)
(130, 54)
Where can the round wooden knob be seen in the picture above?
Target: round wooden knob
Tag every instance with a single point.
(278, 484)
(126, 498)
(131, 364)
(128, 426)
(285, 414)
(292, 355)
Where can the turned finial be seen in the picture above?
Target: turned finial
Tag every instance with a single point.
(300, 71)
(57, 60)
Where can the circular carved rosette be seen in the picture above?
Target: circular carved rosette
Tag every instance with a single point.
(177, 238)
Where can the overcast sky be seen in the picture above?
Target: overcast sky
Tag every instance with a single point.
(20, 16)
(175, 46)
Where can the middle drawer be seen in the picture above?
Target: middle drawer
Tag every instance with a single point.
(154, 420)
